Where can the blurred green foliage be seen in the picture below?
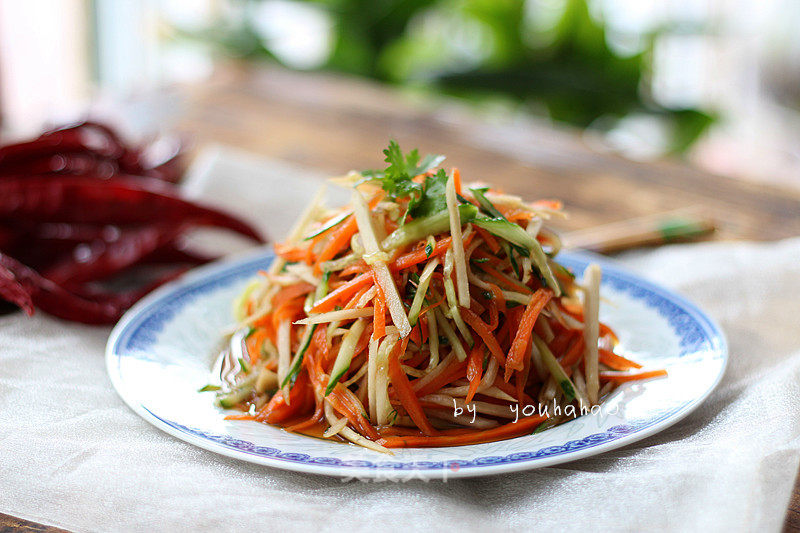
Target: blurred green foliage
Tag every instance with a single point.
(487, 49)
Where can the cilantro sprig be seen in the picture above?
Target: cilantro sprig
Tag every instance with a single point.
(398, 180)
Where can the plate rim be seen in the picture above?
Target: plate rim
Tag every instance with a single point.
(717, 337)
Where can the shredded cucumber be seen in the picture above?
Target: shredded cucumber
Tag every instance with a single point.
(346, 353)
(422, 289)
(294, 369)
(450, 335)
(331, 223)
(240, 393)
(552, 364)
(422, 227)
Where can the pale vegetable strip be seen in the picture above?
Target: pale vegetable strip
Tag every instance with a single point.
(457, 243)
(332, 316)
(382, 274)
(422, 289)
(591, 329)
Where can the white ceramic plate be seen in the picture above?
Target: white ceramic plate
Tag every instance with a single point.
(160, 354)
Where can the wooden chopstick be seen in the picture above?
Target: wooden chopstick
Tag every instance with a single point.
(674, 226)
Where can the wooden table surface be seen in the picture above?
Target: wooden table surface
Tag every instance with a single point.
(335, 124)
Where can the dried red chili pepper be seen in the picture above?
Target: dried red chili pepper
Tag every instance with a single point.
(53, 299)
(77, 199)
(79, 205)
(100, 259)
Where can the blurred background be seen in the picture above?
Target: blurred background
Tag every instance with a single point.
(715, 82)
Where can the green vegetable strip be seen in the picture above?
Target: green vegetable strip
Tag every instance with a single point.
(422, 289)
(487, 206)
(298, 358)
(335, 221)
(452, 301)
(239, 393)
(294, 369)
(422, 227)
(346, 352)
(450, 334)
(555, 369)
(516, 235)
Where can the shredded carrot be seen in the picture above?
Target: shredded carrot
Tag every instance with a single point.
(418, 256)
(619, 378)
(474, 368)
(519, 347)
(457, 180)
(404, 391)
(617, 362)
(339, 238)
(480, 327)
(512, 429)
(505, 280)
(290, 252)
(575, 351)
(489, 239)
(342, 292)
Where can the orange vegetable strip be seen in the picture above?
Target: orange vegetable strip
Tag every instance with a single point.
(291, 292)
(474, 370)
(418, 255)
(354, 300)
(356, 268)
(287, 311)
(555, 205)
(416, 334)
(432, 306)
(512, 429)
(457, 180)
(617, 362)
(314, 419)
(339, 238)
(342, 403)
(517, 352)
(277, 410)
(499, 298)
(489, 239)
(240, 417)
(404, 391)
(254, 343)
(620, 378)
(574, 353)
(342, 292)
(605, 330)
(379, 319)
(518, 285)
(482, 329)
(290, 252)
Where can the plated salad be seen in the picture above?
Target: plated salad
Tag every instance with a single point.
(428, 312)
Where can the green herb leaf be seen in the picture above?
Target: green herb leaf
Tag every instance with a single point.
(208, 388)
(432, 199)
(397, 180)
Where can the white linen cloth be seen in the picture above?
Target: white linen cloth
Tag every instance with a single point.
(73, 455)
